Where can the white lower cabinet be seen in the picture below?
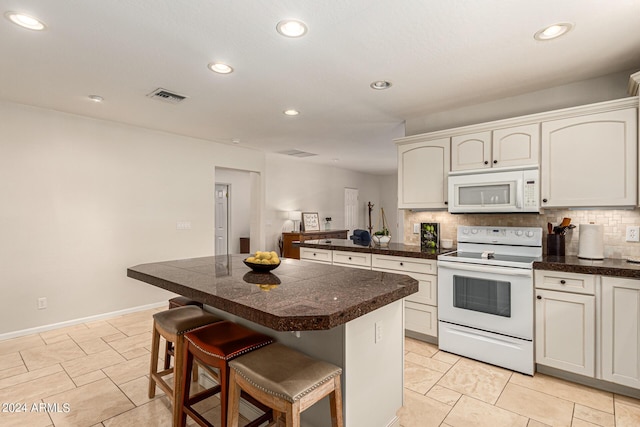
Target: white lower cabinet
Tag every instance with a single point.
(621, 331)
(420, 309)
(565, 331)
(323, 256)
(352, 259)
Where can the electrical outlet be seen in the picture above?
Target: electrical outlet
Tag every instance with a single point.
(183, 225)
(633, 233)
(416, 228)
(42, 303)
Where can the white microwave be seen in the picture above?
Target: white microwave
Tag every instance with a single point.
(505, 190)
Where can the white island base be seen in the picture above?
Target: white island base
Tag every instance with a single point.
(370, 350)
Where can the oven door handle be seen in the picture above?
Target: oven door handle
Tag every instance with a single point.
(485, 269)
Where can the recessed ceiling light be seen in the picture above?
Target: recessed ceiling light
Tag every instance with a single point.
(553, 31)
(220, 68)
(96, 98)
(292, 28)
(291, 112)
(235, 141)
(25, 21)
(380, 85)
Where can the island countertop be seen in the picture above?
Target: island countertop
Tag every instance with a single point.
(297, 296)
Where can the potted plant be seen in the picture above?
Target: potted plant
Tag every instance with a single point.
(382, 237)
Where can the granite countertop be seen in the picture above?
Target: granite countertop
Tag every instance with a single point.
(394, 249)
(605, 267)
(297, 296)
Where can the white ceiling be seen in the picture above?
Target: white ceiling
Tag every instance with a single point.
(439, 55)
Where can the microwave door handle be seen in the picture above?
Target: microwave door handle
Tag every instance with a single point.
(485, 269)
(519, 194)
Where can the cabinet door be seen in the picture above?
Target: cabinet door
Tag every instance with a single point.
(516, 146)
(421, 318)
(565, 331)
(621, 331)
(590, 160)
(423, 168)
(471, 151)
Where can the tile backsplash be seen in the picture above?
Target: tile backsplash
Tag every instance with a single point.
(615, 223)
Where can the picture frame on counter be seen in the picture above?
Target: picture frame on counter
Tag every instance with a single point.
(310, 221)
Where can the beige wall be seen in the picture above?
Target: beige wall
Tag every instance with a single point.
(296, 185)
(605, 88)
(83, 199)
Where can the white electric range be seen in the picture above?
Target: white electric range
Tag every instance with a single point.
(485, 295)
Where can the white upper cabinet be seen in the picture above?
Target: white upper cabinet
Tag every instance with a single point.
(516, 146)
(512, 146)
(590, 160)
(423, 168)
(471, 151)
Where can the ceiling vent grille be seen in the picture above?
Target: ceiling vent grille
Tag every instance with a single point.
(166, 96)
(297, 153)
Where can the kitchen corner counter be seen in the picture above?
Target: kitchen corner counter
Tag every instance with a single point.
(297, 296)
(393, 249)
(573, 264)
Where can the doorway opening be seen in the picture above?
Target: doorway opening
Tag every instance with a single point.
(235, 212)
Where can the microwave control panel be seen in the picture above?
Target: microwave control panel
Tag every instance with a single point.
(531, 191)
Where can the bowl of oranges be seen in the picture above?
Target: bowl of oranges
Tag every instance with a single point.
(262, 261)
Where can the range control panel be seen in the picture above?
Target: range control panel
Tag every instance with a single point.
(519, 236)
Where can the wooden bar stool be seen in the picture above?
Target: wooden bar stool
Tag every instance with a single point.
(168, 351)
(172, 325)
(213, 346)
(285, 380)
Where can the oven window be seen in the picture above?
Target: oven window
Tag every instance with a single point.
(482, 295)
(481, 195)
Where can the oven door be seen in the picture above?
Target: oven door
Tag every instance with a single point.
(490, 298)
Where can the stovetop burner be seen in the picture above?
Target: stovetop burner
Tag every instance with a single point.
(516, 247)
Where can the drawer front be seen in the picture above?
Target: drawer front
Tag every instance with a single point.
(565, 282)
(421, 318)
(428, 289)
(356, 259)
(317, 255)
(408, 265)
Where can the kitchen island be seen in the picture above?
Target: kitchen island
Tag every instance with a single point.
(348, 317)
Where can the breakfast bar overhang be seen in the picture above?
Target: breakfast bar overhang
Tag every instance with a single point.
(350, 317)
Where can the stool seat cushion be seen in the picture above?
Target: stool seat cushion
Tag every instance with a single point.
(183, 319)
(225, 340)
(283, 372)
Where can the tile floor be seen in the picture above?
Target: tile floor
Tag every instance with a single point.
(95, 375)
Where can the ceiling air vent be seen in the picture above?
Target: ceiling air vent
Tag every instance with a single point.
(296, 153)
(166, 96)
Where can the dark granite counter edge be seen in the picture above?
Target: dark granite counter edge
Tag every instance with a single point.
(374, 250)
(572, 264)
(277, 323)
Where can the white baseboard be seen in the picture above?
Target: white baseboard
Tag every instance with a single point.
(44, 328)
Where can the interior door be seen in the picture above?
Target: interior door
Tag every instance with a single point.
(222, 219)
(350, 209)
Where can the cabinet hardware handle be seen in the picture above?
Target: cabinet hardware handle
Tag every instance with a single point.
(486, 162)
(349, 258)
(402, 263)
(495, 161)
(562, 282)
(539, 297)
(446, 203)
(544, 200)
(314, 254)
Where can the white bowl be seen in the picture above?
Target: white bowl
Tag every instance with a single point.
(446, 243)
(381, 240)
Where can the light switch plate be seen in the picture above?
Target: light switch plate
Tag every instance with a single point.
(416, 228)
